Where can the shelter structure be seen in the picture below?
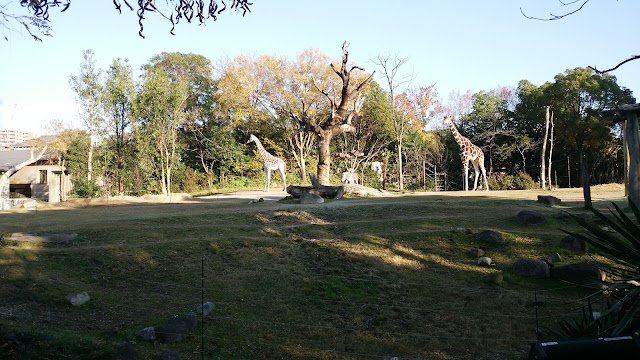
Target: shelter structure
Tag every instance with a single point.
(30, 174)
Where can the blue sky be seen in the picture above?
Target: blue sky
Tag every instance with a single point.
(459, 45)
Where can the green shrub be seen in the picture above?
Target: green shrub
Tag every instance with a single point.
(84, 188)
(524, 181)
(500, 181)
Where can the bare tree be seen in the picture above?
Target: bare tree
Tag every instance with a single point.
(343, 110)
(391, 68)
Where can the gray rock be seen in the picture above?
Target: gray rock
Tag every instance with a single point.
(177, 328)
(531, 268)
(309, 198)
(563, 215)
(476, 253)
(148, 333)
(484, 261)
(493, 278)
(47, 238)
(586, 216)
(206, 308)
(549, 200)
(126, 351)
(78, 298)
(490, 236)
(461, 229)
(553, 258)
(581, 273)
(530, 217)
(170, 355)
(574, 244)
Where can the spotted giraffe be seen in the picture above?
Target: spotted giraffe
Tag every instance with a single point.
(269, 163)
(468, 152)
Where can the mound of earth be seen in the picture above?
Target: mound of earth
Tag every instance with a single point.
(355, 190)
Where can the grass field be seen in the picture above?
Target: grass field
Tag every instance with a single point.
(367, 278)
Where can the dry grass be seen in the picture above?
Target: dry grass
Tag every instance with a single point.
(349, 279)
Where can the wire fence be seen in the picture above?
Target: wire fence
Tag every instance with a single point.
(244, 307)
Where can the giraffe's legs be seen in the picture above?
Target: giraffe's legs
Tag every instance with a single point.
(475, 169)
(484, 175)
(284, 177)
(466, 176)
(267, 185)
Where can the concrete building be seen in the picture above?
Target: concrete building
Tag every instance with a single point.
(30, 174)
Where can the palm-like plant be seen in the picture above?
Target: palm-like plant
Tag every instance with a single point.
(620, 244)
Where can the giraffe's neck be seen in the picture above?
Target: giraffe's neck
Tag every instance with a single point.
(263, 152)
(461, 140)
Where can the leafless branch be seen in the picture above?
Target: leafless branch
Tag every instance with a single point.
(557, 17)
(634, 57)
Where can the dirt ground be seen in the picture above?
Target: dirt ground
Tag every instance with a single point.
(608, 192)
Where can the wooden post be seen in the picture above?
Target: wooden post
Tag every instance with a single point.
(625, 150)
(632, 136)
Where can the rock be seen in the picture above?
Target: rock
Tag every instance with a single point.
(491, 236)
(206, 308)
(125, 351)
(45, 238)
(78, 298)
(530, 217)
(170, 355)
(476, 252)
(148, 333)
(309, 198)
(553, 258)
(586, 216)
(461, 230)
(549, 200)
(177, 328)
(493, 278)
(531, 268)
(484, 261)
(574, 244)
(563, 215)
(581, 273)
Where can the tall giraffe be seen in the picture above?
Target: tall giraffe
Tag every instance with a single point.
(468, 152)
(269, 162)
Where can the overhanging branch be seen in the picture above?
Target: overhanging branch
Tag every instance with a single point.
(634, 57)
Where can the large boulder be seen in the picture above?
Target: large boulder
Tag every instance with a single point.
(309, 198)
(530, 217)
(531, 268)
(581, 273)
(549, 200)
(574, 244)
(490, 236)
(177, 328)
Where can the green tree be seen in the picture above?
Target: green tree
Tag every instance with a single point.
(159, 109)
(117, 101)
(88, 88)
(578, 96)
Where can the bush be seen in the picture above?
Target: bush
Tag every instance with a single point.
(524, 181)
(500, 181)
(520, 181)
(84, 188)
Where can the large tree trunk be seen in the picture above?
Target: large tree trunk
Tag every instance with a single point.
(633, 142)
(550, 151)
(544, 149)
(400, 174)
(586, 183)
(324, 157)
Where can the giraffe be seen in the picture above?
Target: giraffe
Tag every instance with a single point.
(269, 162)
(468, 152)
